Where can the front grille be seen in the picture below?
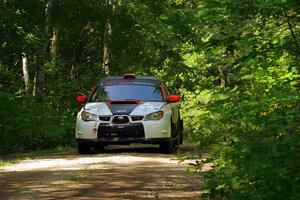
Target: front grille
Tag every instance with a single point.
(104, 118)
(135, 130)
(121, 119)
(137, 118)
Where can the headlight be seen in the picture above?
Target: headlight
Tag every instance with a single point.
(86, 116)
(155, 116)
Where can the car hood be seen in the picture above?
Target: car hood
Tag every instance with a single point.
(103, 108)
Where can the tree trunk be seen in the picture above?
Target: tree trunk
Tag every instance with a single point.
(222, 76)
(106, 47)
(110, 4)
(39, 80)
(25, 72)
(73, 72)
(54, 43)
(39, 74)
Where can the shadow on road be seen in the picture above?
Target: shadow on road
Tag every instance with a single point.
(121, 172)
(187, 148)
(144, 180)
(129, 149)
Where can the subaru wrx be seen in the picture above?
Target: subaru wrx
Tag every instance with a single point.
(129, 109)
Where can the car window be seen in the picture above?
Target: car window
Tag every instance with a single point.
(127, 91)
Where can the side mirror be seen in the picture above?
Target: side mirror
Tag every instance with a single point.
(81, 99)
(174, 98)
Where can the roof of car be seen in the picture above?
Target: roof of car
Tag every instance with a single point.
(148, 79)
(136, 78)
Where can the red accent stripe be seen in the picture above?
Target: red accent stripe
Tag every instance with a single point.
(163, 92)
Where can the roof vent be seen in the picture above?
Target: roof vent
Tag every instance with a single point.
(129, 76)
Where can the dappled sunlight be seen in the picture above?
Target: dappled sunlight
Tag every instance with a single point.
(124, 177)
(77, 162)
(116, 173)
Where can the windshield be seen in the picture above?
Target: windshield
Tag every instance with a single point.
(113, 91)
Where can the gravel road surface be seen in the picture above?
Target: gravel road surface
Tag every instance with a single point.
(118, 173)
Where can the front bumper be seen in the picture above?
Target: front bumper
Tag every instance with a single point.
(109, 132)
(121, 134)
(122, 141)
(139, 131)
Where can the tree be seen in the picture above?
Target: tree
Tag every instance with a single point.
(235, 62)
(110, 5)
(39, 82)
(25, 72)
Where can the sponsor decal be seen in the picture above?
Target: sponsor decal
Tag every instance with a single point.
(120, 111)
(95, 130)
(120, 117)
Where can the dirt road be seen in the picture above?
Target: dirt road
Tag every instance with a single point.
(126, 173)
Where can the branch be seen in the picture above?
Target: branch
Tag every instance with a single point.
(292, 31)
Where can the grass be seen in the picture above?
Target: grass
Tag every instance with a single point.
(15, 158)
(78, 175)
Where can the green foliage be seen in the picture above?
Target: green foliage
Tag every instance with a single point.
(236, 64)
(199, 122)
(27, 125)
(79, 175)
(252, 114)
(258, 155)
(18, 157)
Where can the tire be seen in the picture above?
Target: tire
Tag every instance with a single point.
(181, 137)
(99, 147)
(176, 143)
(83, 148)
(166, 147)
(176, 134)
(180, 125)
(169, 145)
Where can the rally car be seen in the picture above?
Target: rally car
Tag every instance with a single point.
(129, 109)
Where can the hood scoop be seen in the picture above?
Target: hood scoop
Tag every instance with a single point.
(122, 107)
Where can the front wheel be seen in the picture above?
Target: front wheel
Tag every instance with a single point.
(166, 146)
(180, 124)
(173, 143)
(99, 148)
(83, 148)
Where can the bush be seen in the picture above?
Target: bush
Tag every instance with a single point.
(258, 156)
(28, 125)
(199, 122)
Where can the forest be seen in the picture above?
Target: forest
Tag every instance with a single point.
(236, 64)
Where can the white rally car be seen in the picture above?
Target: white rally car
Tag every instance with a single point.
(129, 109)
